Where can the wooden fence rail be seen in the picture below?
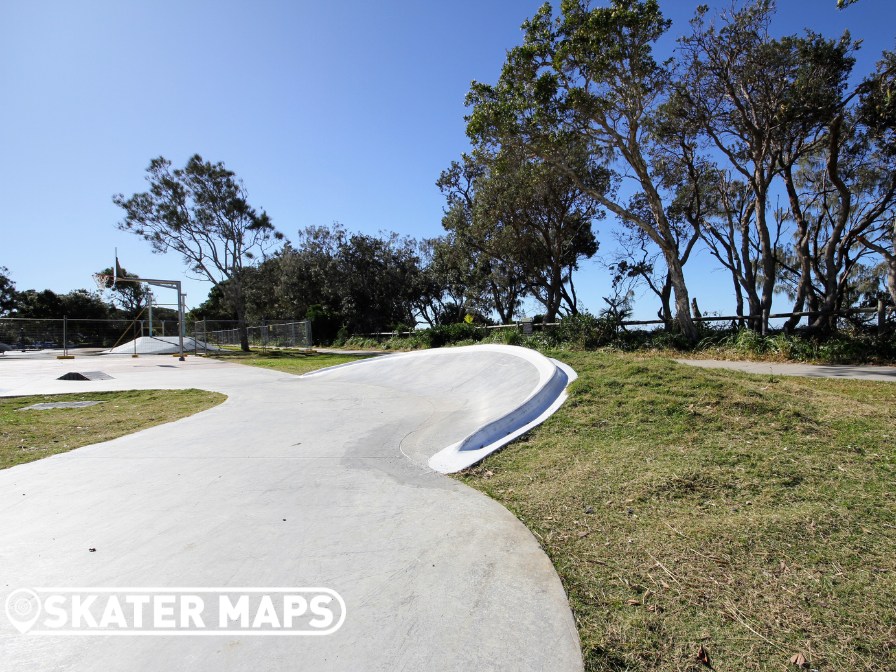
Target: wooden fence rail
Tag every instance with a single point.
(881, 311)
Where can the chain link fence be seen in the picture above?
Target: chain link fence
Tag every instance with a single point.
(275, 334)
(20, 333)
(23, 333)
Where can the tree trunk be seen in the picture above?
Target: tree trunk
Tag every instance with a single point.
(504, 312)
(234, 299)
(798, 306)
(682, 301)
(891, 276)
(749, 281)
(242, 326)
(767, 260)
(738, 304)
(665, 313)
(552, 293)
(804, 286)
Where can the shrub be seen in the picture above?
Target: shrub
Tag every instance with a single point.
(584, 331)
(450, 334)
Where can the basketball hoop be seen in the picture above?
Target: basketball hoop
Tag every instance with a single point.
(103, 281)
(106, 281)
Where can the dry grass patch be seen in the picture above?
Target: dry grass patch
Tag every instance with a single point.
(753, 516)
(27, 435)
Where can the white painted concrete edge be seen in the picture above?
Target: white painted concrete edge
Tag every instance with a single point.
(547, 396)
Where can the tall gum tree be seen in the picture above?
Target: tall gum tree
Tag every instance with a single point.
(877, 111)
(527, 212)
(202, 212)
(499, 277)
(589, 79)
(769, 109)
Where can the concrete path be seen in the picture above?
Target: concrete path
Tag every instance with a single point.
(293, 481)
(859, 372)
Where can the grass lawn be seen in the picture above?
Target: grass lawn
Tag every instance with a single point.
(30, 435)
(289, 361)
(747, 519)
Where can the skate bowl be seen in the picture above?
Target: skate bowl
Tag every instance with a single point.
(324, 480)
(487, 395)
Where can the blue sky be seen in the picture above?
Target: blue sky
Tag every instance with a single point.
(328, 111)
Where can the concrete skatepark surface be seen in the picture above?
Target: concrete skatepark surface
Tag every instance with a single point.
(320, 480)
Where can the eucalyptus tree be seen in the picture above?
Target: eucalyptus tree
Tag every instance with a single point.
(763, 105)
(361, 282)
(130, 297)
(525, 214)
(483, 251)
(202, 212)
(588, 79)
(455, 281)
(877, 111)
(638, 261)
(7, 292)
(845, 211)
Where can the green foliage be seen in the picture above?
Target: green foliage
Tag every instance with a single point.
(509, 336)
(7, 292)
(79, 303)
(839, 348)
(364, 284)
(325, 327)
(452, 334)
(586, 84)
(130, 297)
(202, 212)
(525, 222)
(582, 332)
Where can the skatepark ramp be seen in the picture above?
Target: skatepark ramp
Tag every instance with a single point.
(481, 397)
(160, 345)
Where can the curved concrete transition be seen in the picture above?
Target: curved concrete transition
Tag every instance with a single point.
(317, 481)
(487, 394)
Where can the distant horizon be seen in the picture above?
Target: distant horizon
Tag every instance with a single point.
(328, 113)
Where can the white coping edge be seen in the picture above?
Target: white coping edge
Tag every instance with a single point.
(546, 397)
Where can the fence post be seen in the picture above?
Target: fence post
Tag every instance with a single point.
(765, 322)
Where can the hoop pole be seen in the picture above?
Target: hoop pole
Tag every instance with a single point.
(170, 284)
(180, 321)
